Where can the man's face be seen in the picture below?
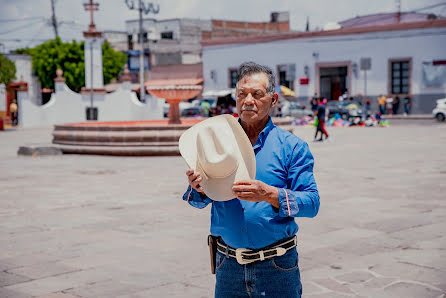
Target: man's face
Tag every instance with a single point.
(253, 101)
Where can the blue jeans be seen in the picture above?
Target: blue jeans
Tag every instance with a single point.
(276, 277)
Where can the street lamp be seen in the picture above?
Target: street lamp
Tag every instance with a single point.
(92, 113)
(146, 8)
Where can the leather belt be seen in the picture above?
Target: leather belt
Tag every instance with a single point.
(246, 256)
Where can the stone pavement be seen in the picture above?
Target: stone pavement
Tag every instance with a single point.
(95, 226)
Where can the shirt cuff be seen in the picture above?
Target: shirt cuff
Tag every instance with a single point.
(195, 199)
(288, 204)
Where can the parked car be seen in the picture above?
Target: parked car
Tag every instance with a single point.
(294, 109)
(439, 112)
(192, 111)
(347, 109)
(183, 105)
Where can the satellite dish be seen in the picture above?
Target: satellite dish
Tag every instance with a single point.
(332, 26)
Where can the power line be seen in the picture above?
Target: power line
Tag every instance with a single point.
(20, 27)
(20, 20)
(430, 6)
(37, 34)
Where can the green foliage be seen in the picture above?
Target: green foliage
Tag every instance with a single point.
(112, 62)
(53, 54)
(7, 70)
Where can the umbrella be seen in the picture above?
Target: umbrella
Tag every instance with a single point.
(287, 91)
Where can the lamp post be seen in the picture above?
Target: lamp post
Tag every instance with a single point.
(91, 111)
(146, 8)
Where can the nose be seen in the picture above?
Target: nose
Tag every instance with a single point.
(249, 100)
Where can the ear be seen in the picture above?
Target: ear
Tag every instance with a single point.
(275, 99)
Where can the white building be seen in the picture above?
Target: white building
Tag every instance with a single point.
(405, 59)
(24, 72)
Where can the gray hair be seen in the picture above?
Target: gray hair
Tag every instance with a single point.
(250, 68)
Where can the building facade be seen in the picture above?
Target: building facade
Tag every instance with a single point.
(396, 60)
(178, 41)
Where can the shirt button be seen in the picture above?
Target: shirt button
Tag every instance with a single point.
(244, 230)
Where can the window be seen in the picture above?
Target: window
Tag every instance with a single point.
(400, 77)
(145, 37)
(286, 74)
(130, 41)
(167, 35)
(232, 78)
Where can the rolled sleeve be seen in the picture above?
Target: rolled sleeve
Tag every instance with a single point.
(301, 197)
(195, 199)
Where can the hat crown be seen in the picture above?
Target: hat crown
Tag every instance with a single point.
(216, 159)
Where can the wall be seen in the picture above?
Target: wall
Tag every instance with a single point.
(66, 106)
(23, 67)
(420, 45)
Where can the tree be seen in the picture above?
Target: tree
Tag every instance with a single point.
(7, 70)
(112, 62)
(53, 54)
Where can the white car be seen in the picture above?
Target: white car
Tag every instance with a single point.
(440, 110)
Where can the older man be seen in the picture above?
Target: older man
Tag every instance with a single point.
(256, 230)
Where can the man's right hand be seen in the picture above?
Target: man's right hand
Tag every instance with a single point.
(194, 180)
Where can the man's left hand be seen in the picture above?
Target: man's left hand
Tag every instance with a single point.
(256, 191)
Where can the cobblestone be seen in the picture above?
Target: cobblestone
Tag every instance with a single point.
(98, 226)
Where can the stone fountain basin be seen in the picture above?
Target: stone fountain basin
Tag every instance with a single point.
(127, 138)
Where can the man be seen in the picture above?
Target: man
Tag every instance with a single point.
(256, 245)
(382, 104)
(320, 114)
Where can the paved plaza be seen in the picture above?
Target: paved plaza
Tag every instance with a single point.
(98, 226)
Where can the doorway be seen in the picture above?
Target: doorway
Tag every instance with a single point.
(333, 81)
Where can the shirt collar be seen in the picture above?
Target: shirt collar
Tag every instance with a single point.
(264, 133)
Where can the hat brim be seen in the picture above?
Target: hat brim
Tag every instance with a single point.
(220, 189)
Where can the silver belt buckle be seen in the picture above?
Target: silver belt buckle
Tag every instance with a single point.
(239, 258)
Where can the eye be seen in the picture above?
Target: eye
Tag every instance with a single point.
(258, 95)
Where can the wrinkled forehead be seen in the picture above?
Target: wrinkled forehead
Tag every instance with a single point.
(254, 81)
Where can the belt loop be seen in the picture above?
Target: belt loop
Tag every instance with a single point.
(262, 255)
(227, 251)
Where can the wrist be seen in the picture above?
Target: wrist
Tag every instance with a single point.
(273, 197)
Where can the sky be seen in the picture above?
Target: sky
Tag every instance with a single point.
(26, 23)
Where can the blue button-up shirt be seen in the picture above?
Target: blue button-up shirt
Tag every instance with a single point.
(282, 160)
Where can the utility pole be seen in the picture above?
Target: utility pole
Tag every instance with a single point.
(142, 90)
(53, 19)
(146, 8)
(398, 11)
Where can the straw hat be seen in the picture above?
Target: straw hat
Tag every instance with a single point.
(220, 150)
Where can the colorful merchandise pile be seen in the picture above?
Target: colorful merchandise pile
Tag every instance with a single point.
(337, 121)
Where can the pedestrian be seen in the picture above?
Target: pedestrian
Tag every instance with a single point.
(407, 105)
(320, 114)
(255, 228)
(13, 109)
(205, 106)
(389, 105)
(367, 106)
(395, 105)
(382, 104)
(314, 103)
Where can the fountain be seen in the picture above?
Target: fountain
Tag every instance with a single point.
(133, 138)
(175, 91)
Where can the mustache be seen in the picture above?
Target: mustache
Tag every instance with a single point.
(249, 108)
